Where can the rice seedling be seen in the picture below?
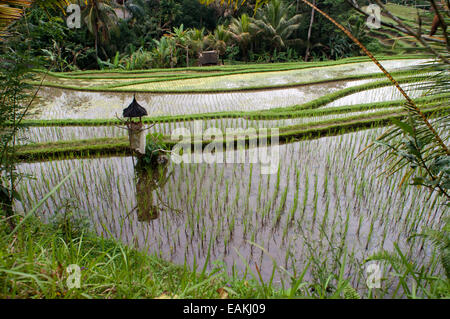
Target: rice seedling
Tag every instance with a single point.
(227, 206)
(320, 200)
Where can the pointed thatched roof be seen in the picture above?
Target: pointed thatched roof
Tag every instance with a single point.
(134, 110)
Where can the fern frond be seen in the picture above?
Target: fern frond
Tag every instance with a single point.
(350, 293)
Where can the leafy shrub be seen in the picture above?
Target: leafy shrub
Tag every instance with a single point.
(139, 60)
(231, 52)
(111, 65)
(154, 149)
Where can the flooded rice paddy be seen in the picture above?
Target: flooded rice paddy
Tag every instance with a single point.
(42, 134)
(320, 200)
(67, 104)
(275, 78)
(388, 93)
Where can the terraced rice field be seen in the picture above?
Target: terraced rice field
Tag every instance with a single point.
(63, 104)
(321, 201)
(272, 78)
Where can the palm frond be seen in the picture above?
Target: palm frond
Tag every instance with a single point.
(276, 23)
(12, 10)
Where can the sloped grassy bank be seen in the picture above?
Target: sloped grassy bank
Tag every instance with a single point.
(119, 146)
(33, 265)
(111, 82)
(229, 68)
(274, 113)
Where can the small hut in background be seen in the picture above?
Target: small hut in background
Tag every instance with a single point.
(136, 132)
(208, 58)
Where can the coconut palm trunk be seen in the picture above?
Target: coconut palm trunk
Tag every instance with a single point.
(187, 56)
(309, 33)
(96, 40)
(100, 19)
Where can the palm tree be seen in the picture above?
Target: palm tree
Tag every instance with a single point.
(242, 31)
(181, 38)
(277, 24)
(196, 39)
(219, 40)
(100, 19)
(164, 51)
(308, 46)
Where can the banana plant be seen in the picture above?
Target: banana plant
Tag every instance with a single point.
(181, 38)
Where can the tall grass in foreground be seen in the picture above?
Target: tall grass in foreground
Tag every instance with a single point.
(34, 265)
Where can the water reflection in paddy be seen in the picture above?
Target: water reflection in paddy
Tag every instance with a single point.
(66, 104)
(277, 77)
(320, 199)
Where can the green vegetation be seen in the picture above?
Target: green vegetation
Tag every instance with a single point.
(33, 265)
(118, 85)
(138, 34)
(352, 178)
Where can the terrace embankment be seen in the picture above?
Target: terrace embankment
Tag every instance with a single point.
(320, 203)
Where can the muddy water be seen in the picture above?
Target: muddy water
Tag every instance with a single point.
(320, 200)
(378, 95)
(276, 78)
(65, 104)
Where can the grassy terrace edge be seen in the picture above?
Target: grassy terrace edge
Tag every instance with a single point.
(310, 108)
(122, 87)
(119, 146)
(253, 66)
(42, 250)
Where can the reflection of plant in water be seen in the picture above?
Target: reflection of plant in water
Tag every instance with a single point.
(150, 178)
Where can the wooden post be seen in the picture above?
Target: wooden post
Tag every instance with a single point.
(136, 135)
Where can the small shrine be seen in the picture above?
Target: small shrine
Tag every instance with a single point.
(136, 132)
